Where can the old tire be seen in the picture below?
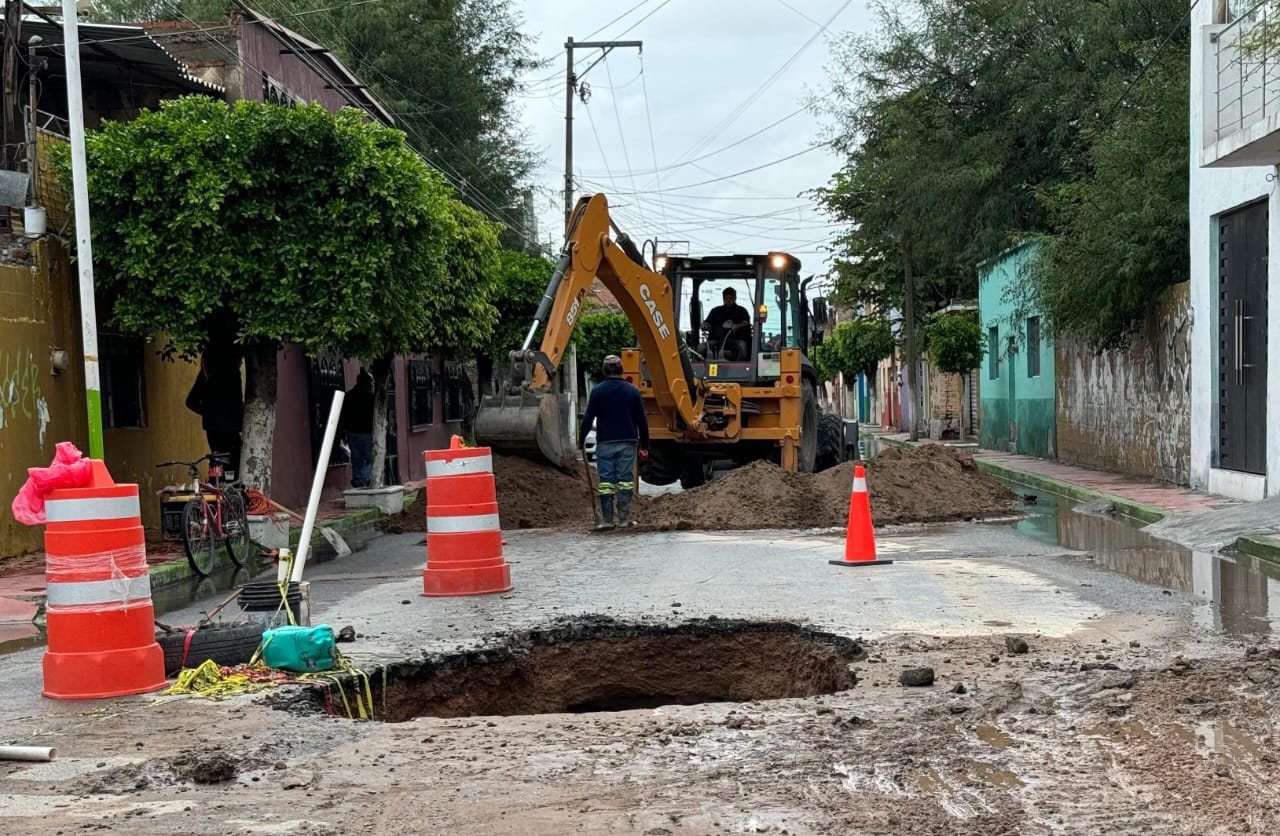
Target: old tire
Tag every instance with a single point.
(830, 441)
(808, 457)
(232, 644)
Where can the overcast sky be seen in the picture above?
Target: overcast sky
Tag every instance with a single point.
(707, 67)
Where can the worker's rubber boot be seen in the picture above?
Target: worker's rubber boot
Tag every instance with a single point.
(604, 519)
(624, 509)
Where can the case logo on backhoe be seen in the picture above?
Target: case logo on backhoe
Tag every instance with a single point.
(654, 313)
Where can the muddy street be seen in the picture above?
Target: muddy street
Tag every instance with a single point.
(717, 682)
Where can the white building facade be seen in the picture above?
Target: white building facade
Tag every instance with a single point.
(1235, 248)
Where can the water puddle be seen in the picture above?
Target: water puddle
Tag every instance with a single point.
(994, 737)
(1215, 737)
(1241, 593)
(933, 782)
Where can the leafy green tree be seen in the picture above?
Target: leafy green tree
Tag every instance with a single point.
(521, 280)
(971, 125)
(854, 348)
(281, 224)
(447, 69)
(955, 343)
(598, 334)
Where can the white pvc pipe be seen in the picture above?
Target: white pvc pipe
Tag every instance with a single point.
(27, 753)
(317, 487)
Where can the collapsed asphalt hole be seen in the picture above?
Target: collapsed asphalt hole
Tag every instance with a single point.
(599, 664)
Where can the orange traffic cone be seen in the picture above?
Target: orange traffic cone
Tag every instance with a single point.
(860, 540)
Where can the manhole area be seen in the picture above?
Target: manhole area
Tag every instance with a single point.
(614, 667)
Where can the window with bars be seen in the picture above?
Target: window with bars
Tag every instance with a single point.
(1033, 346)
(326, 375)
(455, 396)
(124, 392)
(993, 353)
(422, 390)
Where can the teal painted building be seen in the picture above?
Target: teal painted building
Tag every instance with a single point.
(1017, 385)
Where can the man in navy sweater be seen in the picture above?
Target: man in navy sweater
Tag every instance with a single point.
(616, 409)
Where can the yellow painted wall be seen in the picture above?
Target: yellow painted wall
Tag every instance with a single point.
(39, 312)
(172, 433)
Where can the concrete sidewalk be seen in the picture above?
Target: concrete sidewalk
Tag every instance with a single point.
(1151, 502)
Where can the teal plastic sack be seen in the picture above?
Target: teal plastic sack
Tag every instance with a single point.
(302, 649)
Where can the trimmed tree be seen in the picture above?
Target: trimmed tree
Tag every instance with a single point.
(598, 334)
(290, 224)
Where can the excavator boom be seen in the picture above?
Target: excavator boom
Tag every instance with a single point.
(527, 417)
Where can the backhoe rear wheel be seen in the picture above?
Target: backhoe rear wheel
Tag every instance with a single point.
(830, 441)
(808, 428)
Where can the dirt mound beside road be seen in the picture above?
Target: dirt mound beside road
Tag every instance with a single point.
(930, 483)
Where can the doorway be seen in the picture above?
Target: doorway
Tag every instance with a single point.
(1242, 339)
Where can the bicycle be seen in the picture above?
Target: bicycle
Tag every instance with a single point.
(215, 513)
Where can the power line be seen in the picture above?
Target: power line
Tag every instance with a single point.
(1172, 33)
(751, 99)
(653, 146)
(622, 135)
(660, 169)
(769, 164)
(486, 206)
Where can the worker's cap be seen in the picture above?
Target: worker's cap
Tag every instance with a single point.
(613, 360)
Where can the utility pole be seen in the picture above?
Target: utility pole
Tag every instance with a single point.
(84, 246)
(909, 322)
(572, 80)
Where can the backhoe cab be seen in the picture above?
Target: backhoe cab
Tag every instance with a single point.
(762, 366)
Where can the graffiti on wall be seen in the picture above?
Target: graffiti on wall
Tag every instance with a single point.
(20, 395)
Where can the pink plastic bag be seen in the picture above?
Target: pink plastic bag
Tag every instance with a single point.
(70, 469)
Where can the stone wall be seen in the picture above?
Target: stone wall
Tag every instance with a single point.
(1130, 411)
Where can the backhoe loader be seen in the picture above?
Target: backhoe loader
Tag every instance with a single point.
(705, 401)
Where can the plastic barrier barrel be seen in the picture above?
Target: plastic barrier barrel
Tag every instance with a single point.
(100, 620)
(464, 538)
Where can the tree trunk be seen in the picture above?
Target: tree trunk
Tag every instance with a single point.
(381, 371)
(259, 429)
(909, 322)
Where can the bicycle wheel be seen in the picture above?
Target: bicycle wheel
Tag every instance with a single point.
(235, 528)
(197, 536)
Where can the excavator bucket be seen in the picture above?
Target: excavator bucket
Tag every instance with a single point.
(528, 424)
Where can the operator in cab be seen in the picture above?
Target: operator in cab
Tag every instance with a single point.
(617, 410)
(730, 326)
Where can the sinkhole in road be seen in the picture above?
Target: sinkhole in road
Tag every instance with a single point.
(594, 664)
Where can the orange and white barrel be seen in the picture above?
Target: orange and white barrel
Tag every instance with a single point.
(100, 620)
(464, 536)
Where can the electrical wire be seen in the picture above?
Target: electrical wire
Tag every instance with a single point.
(653, 145)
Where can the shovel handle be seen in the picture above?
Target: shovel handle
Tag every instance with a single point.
(279, 507)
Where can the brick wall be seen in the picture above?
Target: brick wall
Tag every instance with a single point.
(1130, 411)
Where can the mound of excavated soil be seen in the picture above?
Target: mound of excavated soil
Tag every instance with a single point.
(930, 483)
(532, 495)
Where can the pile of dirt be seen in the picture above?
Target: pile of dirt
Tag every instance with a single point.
(929, 483)
(532, 495)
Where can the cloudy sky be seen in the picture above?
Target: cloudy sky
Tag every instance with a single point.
(712, 74)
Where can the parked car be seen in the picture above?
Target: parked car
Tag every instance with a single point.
(589, 446)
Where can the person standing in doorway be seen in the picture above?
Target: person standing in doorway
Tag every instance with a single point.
(357, 423)
(217, 396)
(622, 433)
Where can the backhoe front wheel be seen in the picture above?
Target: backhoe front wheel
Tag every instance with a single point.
(808, 458)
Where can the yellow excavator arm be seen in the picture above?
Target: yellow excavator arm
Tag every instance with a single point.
(646, 299)
(527, 416)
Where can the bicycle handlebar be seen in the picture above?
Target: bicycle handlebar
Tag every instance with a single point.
(184, 464)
